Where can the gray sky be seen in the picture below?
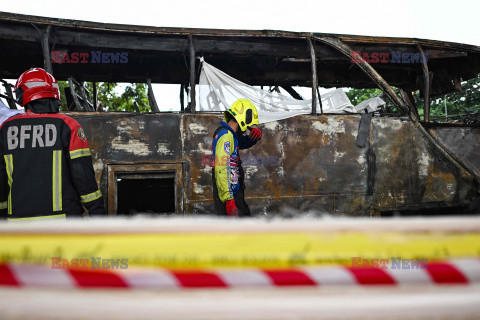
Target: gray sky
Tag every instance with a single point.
(457, 21)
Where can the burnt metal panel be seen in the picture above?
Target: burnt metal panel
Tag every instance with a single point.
(351, 39)
(123, 137)
(462, 142)
(411, 173)
(306, 163)
(316, 163)
(129, 138)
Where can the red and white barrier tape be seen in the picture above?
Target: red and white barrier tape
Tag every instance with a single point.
(464, 272)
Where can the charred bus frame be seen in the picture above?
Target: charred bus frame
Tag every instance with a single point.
(438, 163)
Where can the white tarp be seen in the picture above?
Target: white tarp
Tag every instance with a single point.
(218, 91)
(370, 105)
(335, 101)
(6, 112)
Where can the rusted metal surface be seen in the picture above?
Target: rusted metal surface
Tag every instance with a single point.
(302, 163)
(306, 163)
(220, 32)
(313, 58)
(122, 139)
(411, 174)
(426, 81)
(404, 107)
(192, 74)
(463, 142)
(151, 97)
(47, 61)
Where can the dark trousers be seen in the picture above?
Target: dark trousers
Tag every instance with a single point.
(220, 208)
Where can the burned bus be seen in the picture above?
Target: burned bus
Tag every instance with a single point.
(396, 159)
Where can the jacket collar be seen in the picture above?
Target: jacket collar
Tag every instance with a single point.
(231, 130)
(44, 105)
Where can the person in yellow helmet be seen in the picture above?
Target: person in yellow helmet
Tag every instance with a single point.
(227, 173)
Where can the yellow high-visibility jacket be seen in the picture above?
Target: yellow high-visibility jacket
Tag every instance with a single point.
(228, 171)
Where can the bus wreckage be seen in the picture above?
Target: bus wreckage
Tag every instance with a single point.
(397, 159)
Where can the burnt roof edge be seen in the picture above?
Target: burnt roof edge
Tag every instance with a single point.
(100, 26)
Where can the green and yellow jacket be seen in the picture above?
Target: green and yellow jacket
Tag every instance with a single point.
(227, 169)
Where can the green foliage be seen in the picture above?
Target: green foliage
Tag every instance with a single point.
(358, 95)
(62, 85)
(108, 94)
(465, 101)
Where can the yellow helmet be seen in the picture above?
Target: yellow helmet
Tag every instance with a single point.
(244, 112)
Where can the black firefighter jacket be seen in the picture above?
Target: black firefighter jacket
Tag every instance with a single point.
(46, 167)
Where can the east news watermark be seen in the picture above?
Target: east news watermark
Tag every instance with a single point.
(94, 263)
(390, 263)
(94, 56)
(389, 57)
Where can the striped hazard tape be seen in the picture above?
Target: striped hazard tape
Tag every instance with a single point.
(462, 272)
(266, 249)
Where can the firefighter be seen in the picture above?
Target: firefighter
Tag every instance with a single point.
(46, 169)
(227, 173)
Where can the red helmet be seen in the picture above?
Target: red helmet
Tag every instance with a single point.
(34, 84)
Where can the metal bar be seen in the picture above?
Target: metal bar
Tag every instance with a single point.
(292, 92)
(182, 98)
(71, 85)
(445, 105)
(151, 97)
(192, 75)
(85, 98)
(314, 76)
(377, 78)
(319, 100)
(47, 62)
(94, 86)
(4, 96)
(412, 99)
(9, 95)
(408, 98)
(426, 80)
(368, 69)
